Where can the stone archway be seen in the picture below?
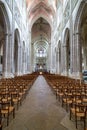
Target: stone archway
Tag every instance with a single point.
(80, 40)
(5, 47)
(67, 51)
(16, 51)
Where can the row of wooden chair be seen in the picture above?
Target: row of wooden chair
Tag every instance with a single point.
(12, 93)
(72, 94)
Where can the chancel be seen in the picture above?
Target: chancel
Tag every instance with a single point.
(43, 64)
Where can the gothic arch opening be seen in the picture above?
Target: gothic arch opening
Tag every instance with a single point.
(67, 51)
(16, 49)
(4, 33)
(81, 37)
(41, 36)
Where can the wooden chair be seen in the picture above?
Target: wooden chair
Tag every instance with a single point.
(67, 100)
(15, 99)
(0, 119)
(6, 110)
(59, 93)
(79, 113)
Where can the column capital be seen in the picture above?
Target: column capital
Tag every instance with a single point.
(76, 33)
(64, 46)
(7, 34)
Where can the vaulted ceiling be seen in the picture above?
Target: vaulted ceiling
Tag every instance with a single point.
(41, 8)
(40, 15)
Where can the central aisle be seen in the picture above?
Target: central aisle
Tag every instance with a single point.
(39, 111)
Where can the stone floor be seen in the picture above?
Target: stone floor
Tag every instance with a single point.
(40, 111)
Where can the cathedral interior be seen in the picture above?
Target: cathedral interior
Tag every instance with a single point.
(43, 64)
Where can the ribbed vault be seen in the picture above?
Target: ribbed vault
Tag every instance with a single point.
(41, 14)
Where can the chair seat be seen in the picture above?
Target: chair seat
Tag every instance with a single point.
(84, 99)
(15, 99)
(4, 100)
(4, 111)
(67, 100)
(0, 126)
(73, 110)
(11, 108)
(80, 114)
(60, 94)
(21, 93)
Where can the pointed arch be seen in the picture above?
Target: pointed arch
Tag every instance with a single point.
(5, 32)
(67, 50)
(79, 39)
(40, 16)
(16, 50)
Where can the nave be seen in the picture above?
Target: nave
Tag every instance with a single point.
(40, 110)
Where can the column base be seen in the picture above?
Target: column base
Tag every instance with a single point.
(18, 73)
(53, 71)
(77, 75)
(65, 73)
(11, 75)
(7, 75)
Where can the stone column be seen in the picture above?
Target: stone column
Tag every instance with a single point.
(77, 56)
(65, 67)
(18, 62)
(30, 53)
(49, 58)
(71, 54)
(10, 53)
(58, 62)
(53, 61)
(10, 57)
(21, 60)
(64, 62)
(7, 57)
(71, 41)
(27, 60)
(62, 59)
(5, 52)
(85, 56)
(53, 58)
(21, 66)
(31, 59)
(74, 66)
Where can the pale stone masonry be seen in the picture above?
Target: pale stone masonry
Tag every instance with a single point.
(57, 30)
